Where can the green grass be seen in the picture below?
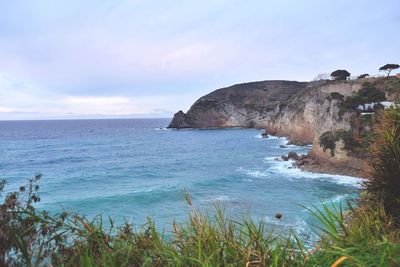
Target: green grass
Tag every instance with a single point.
(366, 235)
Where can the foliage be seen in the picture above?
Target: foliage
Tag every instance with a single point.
(204, 240)
(366, 235)
(335, 96)
(340, 75)
(384, 182)
(25, 234)
(328, 140)
(367, 94)
(362, 236)
(389, 67)
(392, 86)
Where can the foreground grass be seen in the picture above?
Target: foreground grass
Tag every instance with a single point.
(364, 236)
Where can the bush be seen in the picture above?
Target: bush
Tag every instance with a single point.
(384, 181)
(366, 236)
(367, 94)
(328, 140)
(335, 96)
(362, 236)
(392, 86)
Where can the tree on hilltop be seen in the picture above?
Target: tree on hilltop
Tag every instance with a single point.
(389, 67)
(340, 75)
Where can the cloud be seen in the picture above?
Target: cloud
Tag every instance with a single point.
(26, 100)
(136, 57)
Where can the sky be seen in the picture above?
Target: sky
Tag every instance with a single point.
(134, 59)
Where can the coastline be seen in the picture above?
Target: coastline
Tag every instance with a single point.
(326, 168)
(306, 162)
(313, 164)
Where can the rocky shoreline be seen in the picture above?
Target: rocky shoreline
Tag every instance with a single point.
(313, 164)
(304, 112)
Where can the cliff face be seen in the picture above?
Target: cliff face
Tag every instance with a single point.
(301, 111)
(298, 110)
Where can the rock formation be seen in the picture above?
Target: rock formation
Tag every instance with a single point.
(300, 111)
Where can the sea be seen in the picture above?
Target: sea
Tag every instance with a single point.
(135, 169)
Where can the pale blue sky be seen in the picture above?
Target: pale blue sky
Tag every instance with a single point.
(87, 59)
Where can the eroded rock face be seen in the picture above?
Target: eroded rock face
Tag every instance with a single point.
(301, 111)
(297, 110)
(179, 119)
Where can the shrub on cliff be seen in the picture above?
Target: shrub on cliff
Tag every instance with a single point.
(392, 86)
(367, 94)
(384, 181)
(335, 96)
(328, 140)
(371, 94)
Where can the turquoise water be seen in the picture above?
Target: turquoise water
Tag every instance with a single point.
(134, 168)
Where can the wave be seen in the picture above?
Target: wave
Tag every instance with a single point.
(220, 198)
(300, 226)
(272, 137)
(286, 169)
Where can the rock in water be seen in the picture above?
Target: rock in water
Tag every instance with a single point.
(264, 134)
(179, 120)
(293, 155)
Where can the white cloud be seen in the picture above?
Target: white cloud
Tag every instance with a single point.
(24, 100)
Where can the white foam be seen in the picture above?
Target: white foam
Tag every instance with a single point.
(286, 168)
(272, 137)
(220, 198)
(300, 225)
(257, 174)
(336, 199)
(273, 158)
(223, 198)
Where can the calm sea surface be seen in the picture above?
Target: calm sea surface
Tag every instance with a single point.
(134, 168)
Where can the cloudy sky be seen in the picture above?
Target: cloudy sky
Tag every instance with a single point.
(98, 58)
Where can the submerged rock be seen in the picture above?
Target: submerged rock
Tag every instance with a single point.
(264, 134)
(293, 155)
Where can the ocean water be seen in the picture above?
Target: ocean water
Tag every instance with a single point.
(134, 168)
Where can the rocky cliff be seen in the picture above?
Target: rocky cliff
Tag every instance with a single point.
(301, 111)
(298, 110)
